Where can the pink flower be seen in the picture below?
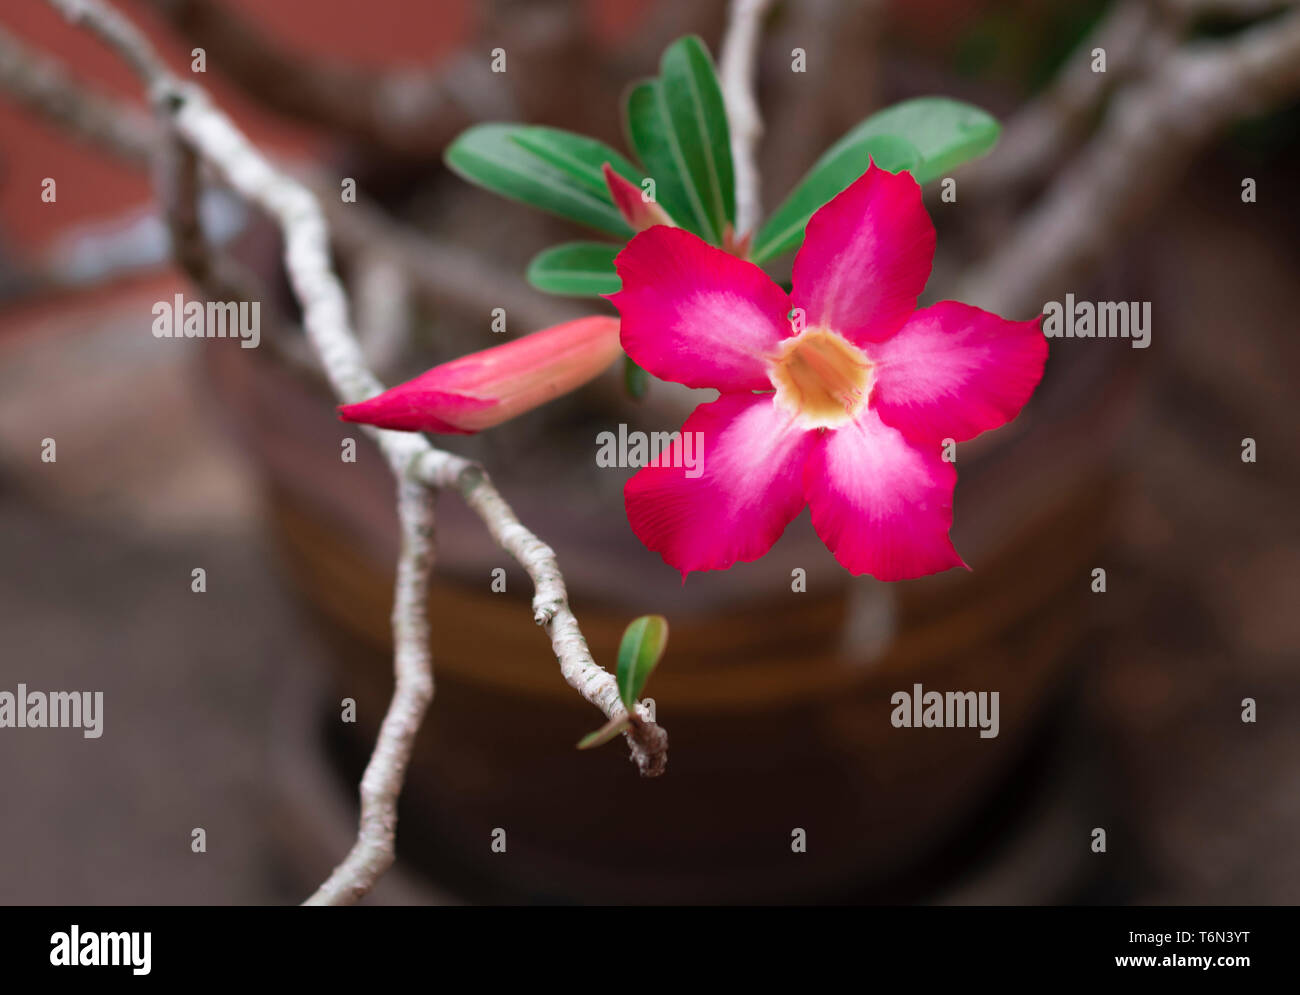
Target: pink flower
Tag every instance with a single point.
(845, 410)
(486, 388)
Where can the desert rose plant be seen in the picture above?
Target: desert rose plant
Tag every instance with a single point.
(836, 393)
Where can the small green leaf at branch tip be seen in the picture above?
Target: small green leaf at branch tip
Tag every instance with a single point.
(635, 380)
(604, 734)
(640, 651)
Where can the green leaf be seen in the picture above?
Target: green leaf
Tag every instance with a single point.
(946, 132)
(578, 156)
(928, 136)
(835, 170)
(648, 135)
(639, 653)
(604, 734)
(635, 380)
(576, 269)
(489, 156)
(690, 101)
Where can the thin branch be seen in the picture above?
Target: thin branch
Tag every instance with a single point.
(736, 68)
(1151, 130)
(408, 113)
(435, 268)
(216, 141)
(176, 178)
(551, 610)
(1189, 10)
(43, 85)
(840, 45)
(1039, 133)
(1136, 36)
(375, 848)
(432, 268)
(382, 295)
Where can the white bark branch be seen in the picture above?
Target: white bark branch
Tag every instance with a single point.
(551, 608)
(418, 466)
(737, 65)
(381, 784)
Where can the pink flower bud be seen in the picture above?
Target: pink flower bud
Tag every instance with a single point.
(486, 388)
(636, 210)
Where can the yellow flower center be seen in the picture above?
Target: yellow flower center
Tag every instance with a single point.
(821, 377)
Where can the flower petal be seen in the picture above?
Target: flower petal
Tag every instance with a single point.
(956, 371)
(695, 315)
(865, 258)
(881, 504)
(749, 485)
(410, 407)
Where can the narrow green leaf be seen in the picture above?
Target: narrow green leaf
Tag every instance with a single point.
(945, 132)
(639, 653)
(835, 170)
(690, 101)
(604, 734)
(648, 135)
(635, 380)
(489, 156)
(576, 269)
(578, 156)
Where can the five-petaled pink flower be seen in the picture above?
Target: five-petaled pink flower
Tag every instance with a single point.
(845, 411)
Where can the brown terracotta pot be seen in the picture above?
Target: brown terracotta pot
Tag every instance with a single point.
(777, 703)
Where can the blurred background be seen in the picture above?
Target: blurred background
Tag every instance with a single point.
(1119, 710)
